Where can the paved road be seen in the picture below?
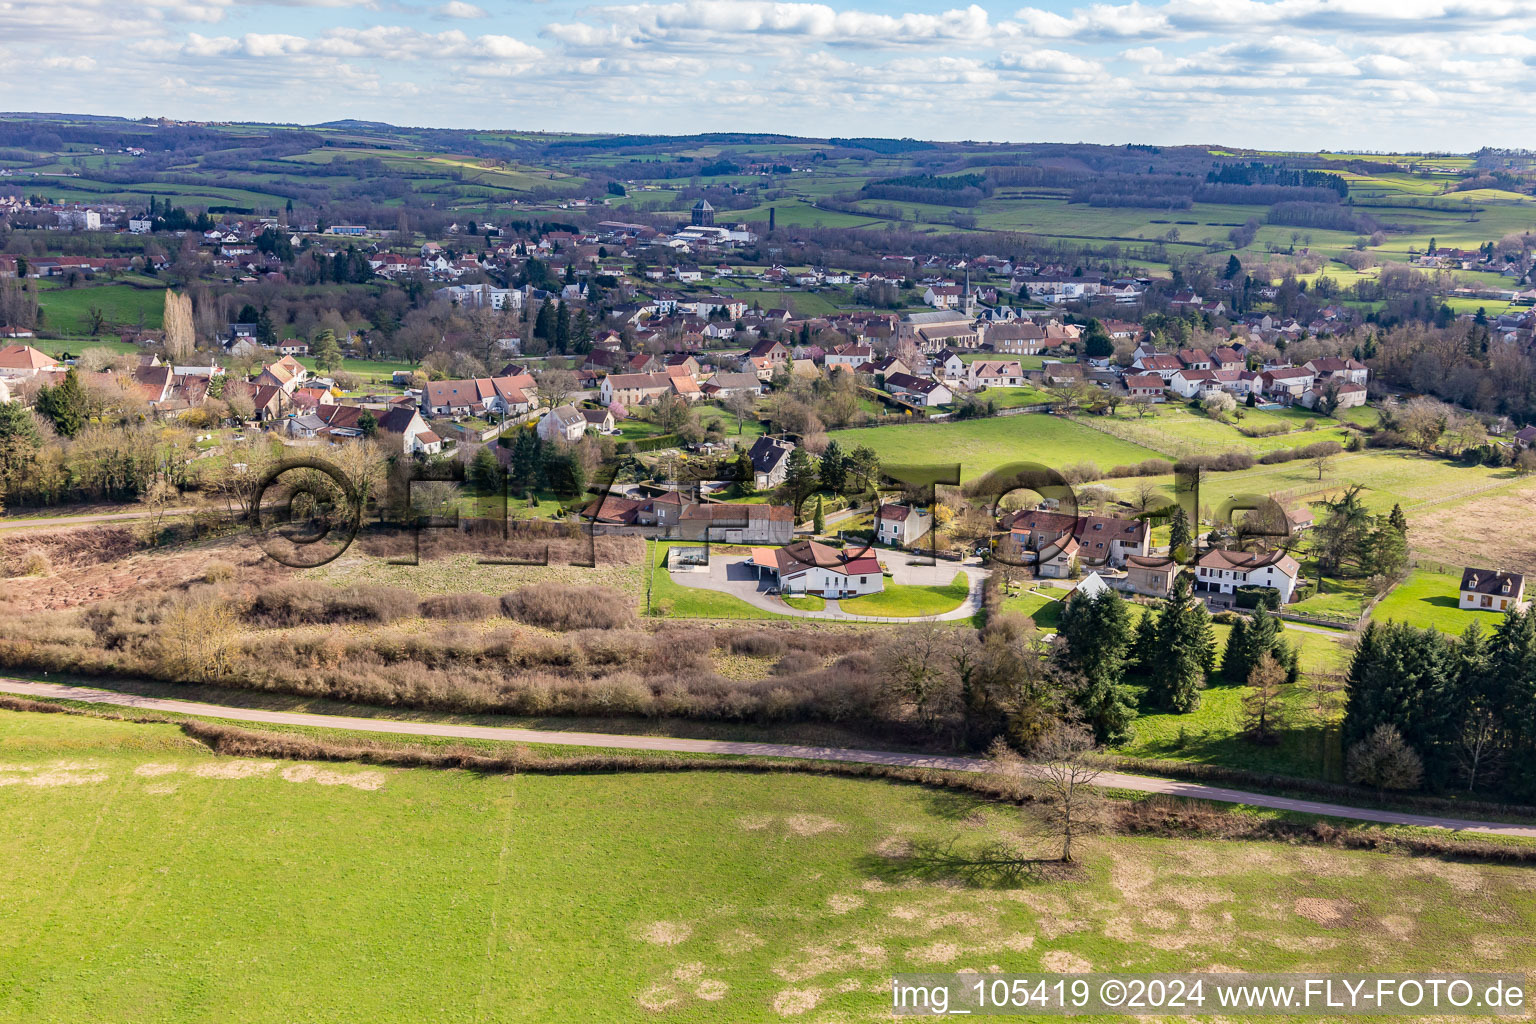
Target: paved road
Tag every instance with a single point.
(1114, 780)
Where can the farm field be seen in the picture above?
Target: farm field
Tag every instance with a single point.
(1176, 429)
(1420, 483)
(983, 445)
(1475, 529)
(702, 897)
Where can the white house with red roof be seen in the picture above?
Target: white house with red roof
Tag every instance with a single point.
(806, 567)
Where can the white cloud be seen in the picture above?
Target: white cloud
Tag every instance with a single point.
(457, 9)
(703, 23)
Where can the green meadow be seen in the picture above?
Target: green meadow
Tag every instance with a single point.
(148, 880)
(983, 445)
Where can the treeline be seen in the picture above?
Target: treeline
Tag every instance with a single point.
(1179, 193)
(952, 190)
(1262, 195)
(1327, 216)
(1452, 712)
(885, 147)
(1259, 173)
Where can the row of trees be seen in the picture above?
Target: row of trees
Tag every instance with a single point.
(1464, 707)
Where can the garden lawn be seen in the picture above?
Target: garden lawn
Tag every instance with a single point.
(983, 445)
(1344, 599)
(1429, 600)
(171, 884)
(905, 601)
(676, 601)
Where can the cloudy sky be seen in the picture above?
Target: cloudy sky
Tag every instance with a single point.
(1341, 74)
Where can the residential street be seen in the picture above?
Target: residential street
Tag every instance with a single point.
(1112, 780)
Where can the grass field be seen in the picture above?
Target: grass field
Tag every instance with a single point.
(907, 601)
(983, 445)
(169, 884)
(66, 310)
(371, 370)
(1430, 600)
(1420, 483)
(1176, 429)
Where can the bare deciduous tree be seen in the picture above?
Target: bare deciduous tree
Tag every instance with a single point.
(1061, 764)
(1479, 749)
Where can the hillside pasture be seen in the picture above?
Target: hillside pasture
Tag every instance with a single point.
(983, 445)
(338, 891)
(66, 311)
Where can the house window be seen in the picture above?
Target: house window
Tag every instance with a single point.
(1503, 605)
(863, 579)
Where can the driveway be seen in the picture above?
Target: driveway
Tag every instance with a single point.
(1112, 780)
(734, 575)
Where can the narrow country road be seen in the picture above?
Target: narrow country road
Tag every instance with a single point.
(1113, 780)
(101, 517)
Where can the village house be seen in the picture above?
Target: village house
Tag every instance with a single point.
(22, 361)
(901, 525)
(1145, 385)
(774, 353)
(726, 523)
(723, 385)
(1165, 366)
(920, 391)
(1097, 540)
(287, 373)
(850, 356)
(505, 396)
(1286, 382)
(1018, 338)
(944, 296)
(416, 437)
(1190, 383)
(1335, 368)
(770, 461)
(1227, 359)
(948, 365)
(634, 388)
(1150, 575)
(1221, 572)
(996, 374)
(1492, 590)
(1193, 358)
(562, 423)
(806, 567)
(600, 420)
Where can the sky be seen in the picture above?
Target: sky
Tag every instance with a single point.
(1398, 75)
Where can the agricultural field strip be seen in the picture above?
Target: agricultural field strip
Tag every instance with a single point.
(1111, 780)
